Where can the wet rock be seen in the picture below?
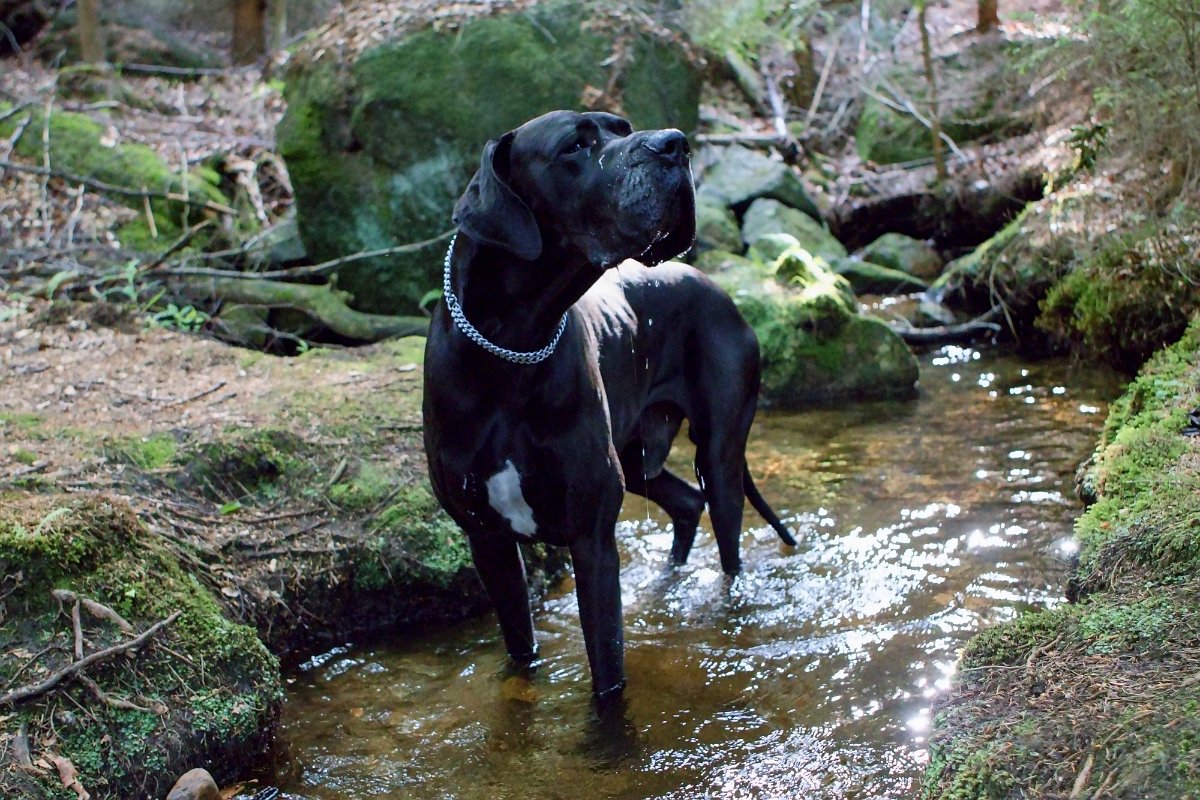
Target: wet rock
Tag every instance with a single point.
(380, 143)
(766, 216)
(739, 176)
(868, 278)
(904, 253)
(195, 784)
(816, 347)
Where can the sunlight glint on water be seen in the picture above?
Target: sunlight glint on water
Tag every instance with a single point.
(812, 673)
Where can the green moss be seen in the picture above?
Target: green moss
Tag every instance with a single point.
(1011, 643)
(144, 452)
(23, 456)
(815, 348)
(21, 423)
(96, 547)
(77, 145)
(249, 463)
(415, 541)
(1138, 627)
(366, 486)
(378, 157)
(1124, 300)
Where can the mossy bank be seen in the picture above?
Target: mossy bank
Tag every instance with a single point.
(204, 690)
(1100, 697)
(281, 504)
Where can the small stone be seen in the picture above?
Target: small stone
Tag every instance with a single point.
(195, 784)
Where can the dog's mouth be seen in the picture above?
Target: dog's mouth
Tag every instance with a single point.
(676, 230)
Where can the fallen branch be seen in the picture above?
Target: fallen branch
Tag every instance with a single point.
(109, 188)
(71, 670)
(308, 271)
(321, 302)
(942, 334)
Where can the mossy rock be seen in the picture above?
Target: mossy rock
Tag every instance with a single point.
(904, 253)
(767, 216)
(210, 689)
(738, 176)
(78, 146)
(868, 278)
(379, 149)
(716, 225)
(815, 347)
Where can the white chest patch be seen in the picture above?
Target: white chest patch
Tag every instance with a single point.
(504, 495)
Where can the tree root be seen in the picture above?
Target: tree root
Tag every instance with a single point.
(73, 669)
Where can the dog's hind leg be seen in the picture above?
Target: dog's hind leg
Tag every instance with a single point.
(680, 499)
(502, 570)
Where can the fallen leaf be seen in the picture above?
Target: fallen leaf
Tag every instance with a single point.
(69, 776)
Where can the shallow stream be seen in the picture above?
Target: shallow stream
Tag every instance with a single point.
(812, 674)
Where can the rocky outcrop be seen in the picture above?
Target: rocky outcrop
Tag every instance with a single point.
(380, 141)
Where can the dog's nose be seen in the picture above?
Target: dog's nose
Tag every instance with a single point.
(670, 144)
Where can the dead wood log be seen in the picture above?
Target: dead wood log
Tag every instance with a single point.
(322, 302)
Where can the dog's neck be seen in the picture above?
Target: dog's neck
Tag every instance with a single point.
(517, 304)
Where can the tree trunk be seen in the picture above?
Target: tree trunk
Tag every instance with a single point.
(249, 30)
(989, 16)
(91, 45)
(278, 24)
(935, 119)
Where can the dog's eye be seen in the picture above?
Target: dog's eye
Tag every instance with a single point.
(577, 146)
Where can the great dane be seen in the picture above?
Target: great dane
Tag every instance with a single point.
(555, 382)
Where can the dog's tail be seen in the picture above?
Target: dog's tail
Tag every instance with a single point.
(760, 505)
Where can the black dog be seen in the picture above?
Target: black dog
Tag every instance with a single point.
(529, 444)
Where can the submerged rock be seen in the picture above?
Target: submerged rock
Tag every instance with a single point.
(381, 141)
(816, 347)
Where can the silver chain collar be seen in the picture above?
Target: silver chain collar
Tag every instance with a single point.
(469, 330)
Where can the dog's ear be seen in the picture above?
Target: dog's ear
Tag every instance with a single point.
(490, 212)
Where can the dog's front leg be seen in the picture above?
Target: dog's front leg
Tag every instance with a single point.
(502, 569)
(598, 587)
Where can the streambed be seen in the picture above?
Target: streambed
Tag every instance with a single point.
(811, 674)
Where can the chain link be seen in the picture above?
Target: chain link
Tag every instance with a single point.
(469, 330)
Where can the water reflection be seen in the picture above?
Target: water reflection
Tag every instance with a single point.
(813, 672)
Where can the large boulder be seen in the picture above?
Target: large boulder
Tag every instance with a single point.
(816, 347)
(766, 216)
(382, 133)
(738, 176)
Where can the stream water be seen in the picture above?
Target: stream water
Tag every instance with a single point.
(812, 674)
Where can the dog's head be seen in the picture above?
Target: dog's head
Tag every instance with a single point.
(586, 183)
